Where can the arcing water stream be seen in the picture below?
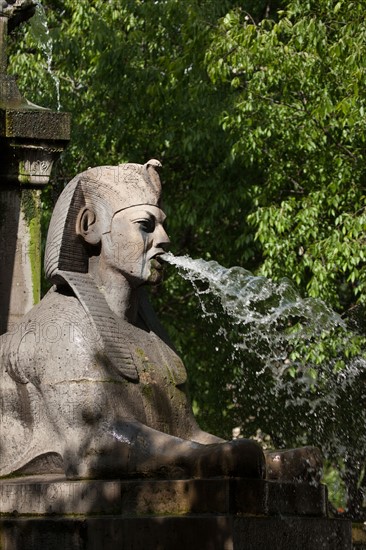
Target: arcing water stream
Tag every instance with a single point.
(259, 303)
(296, 371)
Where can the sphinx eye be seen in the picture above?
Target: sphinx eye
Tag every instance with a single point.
(147, 224)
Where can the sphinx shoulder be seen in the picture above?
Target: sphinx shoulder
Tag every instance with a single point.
(54, 337)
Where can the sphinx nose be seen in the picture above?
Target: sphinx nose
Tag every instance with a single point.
(162, 240)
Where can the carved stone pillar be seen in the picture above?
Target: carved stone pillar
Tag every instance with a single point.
(31, 139)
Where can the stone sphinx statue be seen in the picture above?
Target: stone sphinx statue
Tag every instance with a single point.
(90, 385)
(89, 382)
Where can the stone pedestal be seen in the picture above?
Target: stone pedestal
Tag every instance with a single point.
(31, 139)
(50, 512)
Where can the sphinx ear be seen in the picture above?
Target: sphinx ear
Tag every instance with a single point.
(87, 226)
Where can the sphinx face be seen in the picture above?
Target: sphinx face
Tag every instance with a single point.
(135, 243)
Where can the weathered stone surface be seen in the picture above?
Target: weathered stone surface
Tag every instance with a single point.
(198, 532)
(359, 536)
(275, 498)
(20, 255)
(35, 123)
(40, 495)
(291, 533)
(9, 98)
(230, 514)
(17, 11)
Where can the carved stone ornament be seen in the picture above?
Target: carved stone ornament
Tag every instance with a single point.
(17, 11)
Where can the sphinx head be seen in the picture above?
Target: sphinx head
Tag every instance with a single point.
(111, 213)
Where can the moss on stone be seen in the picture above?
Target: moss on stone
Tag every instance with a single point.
(32, 215)
(140, 353)
(35, 258)
(147, 391)
(29, 204)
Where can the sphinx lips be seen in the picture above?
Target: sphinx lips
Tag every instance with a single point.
(157, 263)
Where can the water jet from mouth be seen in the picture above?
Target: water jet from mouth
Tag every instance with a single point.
(290, 379)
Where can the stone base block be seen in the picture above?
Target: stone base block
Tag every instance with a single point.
(198, 532)
(53, 494)
(229, 514)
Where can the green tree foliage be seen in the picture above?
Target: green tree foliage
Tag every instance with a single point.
(297, 117)
(258, 116)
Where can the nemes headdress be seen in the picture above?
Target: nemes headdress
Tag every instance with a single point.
(106, 190)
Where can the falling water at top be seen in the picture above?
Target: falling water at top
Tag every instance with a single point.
(41, 32)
